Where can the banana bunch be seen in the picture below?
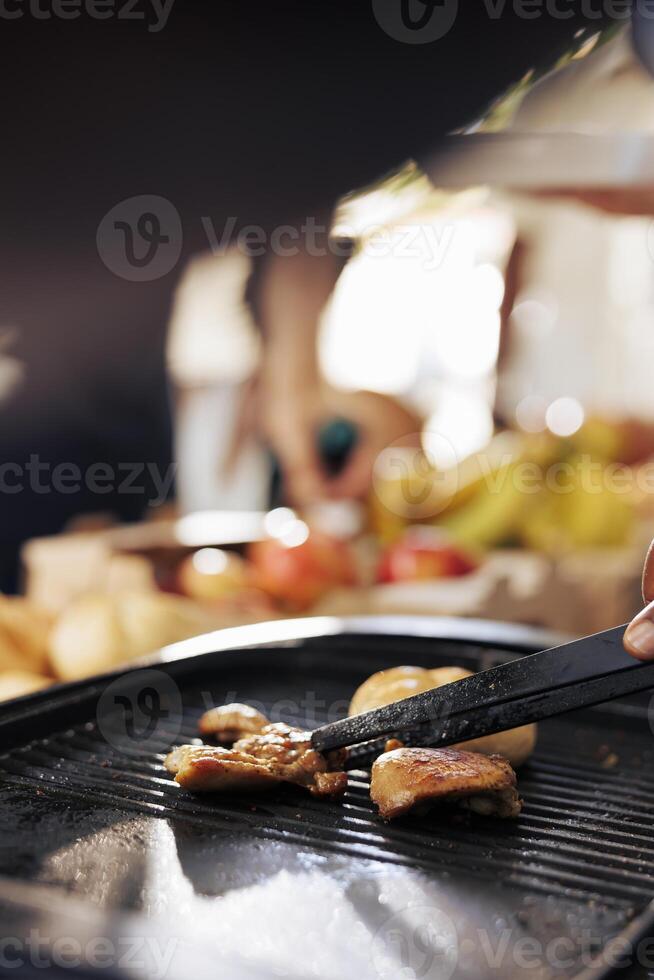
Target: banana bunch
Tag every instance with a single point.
(540, 492)
(413, 490)
(580, 511)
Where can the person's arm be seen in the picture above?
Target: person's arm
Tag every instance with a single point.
(290, 294)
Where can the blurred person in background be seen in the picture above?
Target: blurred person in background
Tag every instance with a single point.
(294, 401)
(113, 166)
(244, 116)
(244, 344)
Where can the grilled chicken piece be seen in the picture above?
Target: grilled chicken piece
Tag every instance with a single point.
(230, 722)
(280, 754)
(417, 777)
(289, 749)
(397, 683)
(210, 768)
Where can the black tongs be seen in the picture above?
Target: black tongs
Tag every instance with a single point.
(585, 672)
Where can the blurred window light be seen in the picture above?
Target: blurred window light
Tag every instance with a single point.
(534, 315)
(284, 525)
(468, 322)
(211, 337)
(488, 284)
(227, 527)
(277, 520)
(564, 416)
(462, 421)
(391, 200)
(426, 292)
(530, 414)
(373, 328)
(469, 342)
(210, 561)
(631, 264)
(293, 534)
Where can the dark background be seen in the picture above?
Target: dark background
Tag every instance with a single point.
(261, 111)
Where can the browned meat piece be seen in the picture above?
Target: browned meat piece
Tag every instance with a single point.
(210, 768)
(230, 722)
(289, 749)
(280, 754)
(408, 778)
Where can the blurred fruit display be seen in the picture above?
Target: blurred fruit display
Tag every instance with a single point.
(550, 494)
(536, 528)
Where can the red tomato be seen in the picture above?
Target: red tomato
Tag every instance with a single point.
(423, 553)
(297, 575)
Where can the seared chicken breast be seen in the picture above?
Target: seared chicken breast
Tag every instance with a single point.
(398, 683)
(289, 749)
(280, 754)
(211, 768)
(230, 722)
(415, 777)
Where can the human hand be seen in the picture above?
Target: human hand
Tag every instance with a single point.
(639, 637)
(295, 403)
(291, 420)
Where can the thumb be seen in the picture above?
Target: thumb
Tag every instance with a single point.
(639, 637)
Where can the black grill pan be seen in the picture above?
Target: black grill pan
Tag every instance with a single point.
(88, 811)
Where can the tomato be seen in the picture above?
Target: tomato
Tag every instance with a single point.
(297, 570)
(423, 553)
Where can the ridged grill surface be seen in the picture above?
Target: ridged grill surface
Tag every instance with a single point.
(585, 833)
